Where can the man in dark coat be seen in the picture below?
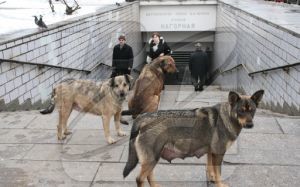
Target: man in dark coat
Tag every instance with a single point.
(122, 58)
(198, 66)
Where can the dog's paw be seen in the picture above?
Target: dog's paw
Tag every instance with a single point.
(211, 176)
(221, 184)
(110, 140)
(122, 133)
(61, 137)
(67, 132)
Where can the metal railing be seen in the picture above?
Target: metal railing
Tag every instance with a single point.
(47, 65)
(285, 68)
(60, 67)
(99, 64)
(235, 67)
(251, 74)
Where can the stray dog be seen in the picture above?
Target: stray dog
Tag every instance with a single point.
(147, 88)
(187, 133)
(100, 98)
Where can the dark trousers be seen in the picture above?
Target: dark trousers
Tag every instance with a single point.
(198, 82)
(118, 72)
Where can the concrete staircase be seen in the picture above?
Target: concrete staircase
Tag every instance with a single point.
(182, 63)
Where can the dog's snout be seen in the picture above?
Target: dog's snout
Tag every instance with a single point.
(245, 122)
(122, 94)
(249, 125)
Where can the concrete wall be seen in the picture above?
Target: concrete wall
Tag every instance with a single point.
(243, 38)
(81, 43)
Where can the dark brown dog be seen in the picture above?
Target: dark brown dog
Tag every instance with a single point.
(186, 133)
(147, 88)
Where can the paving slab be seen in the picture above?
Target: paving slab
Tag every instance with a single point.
(77, 120)
(93, 137)
(14, 151)
(264, 125)
(20, 136)
(40, 121)
(161, 183)
(265, 157)
(264, 175)
(45, 173)
(290, 125)
(16, 119)
(189, 99)
(205, 96)
(261, 141)
(65, 152)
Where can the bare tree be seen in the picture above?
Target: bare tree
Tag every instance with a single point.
(70, 10)
(51, 6)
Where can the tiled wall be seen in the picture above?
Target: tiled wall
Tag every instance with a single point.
(242, 38)
(81, 43)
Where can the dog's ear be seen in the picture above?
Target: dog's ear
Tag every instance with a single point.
(257, 96)
(233, 97)
(128, 78)
(112, 82)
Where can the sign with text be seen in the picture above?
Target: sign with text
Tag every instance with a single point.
(178, 18)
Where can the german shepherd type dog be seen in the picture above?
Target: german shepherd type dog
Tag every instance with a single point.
(148, 86)
(187, 133)
(100, 98)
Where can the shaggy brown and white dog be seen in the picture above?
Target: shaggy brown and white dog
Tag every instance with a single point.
(100, 98)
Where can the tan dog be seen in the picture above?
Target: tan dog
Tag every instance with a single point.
(100, 98)
(147, 88)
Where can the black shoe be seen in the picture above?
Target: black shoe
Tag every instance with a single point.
(199, 87)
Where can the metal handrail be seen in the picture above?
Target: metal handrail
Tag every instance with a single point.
(54, 66)
(102, 64)
(285, 68)
(235, 67)
(44, 65)
(95, 66)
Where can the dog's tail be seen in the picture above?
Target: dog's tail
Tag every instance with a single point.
(134, 112)
(132, 159)
(132, 154)
(51, 106)
(127, 112)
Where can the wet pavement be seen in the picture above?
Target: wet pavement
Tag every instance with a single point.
(31, 155)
